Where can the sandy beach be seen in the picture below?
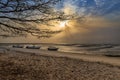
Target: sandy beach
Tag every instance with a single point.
(46, 65)
(59, 40)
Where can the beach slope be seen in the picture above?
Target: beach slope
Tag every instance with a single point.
(30, 66)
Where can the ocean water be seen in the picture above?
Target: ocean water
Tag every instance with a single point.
(99, 49)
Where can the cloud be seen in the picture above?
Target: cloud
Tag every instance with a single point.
(94, 7)
(94, 30)
(102, 22)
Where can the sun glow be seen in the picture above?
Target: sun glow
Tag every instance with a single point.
(63, 24)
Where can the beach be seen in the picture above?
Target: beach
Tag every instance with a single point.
(59, 40)
(17, 64)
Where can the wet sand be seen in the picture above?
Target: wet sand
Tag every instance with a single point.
(31, 66)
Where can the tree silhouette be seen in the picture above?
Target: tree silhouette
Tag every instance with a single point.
(18, 16)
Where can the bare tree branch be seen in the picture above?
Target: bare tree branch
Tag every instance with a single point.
(16, 17)
(23, 12)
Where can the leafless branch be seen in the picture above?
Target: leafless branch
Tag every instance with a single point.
(16, 17)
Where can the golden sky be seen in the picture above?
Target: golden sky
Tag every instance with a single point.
(93, 29)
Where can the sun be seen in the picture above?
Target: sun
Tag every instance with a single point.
(63, 24)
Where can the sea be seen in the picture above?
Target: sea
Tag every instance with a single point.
(98, 49)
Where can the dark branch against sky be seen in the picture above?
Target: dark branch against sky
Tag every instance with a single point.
(104, 13)
(16, 16)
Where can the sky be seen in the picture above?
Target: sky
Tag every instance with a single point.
(100, 25)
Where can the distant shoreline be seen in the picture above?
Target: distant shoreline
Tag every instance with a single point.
(65, 43)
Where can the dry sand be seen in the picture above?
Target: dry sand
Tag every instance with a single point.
(31, 66)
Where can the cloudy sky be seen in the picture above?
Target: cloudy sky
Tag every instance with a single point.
(100, 25)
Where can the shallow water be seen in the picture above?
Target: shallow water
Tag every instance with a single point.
(80, 48)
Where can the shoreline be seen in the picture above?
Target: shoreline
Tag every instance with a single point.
(110, 60)
(115, 61)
